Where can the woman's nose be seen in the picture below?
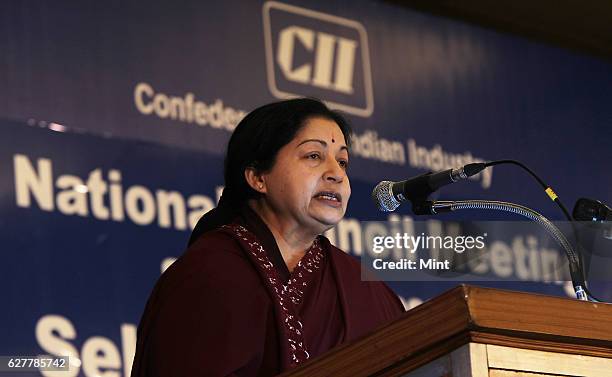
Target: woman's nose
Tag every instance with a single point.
(334, 172)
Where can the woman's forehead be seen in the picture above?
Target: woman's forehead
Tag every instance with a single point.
(322, 129)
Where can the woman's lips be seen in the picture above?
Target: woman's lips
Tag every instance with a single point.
(330, 198)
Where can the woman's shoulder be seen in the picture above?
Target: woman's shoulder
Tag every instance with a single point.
(213, 244)
(214, 258)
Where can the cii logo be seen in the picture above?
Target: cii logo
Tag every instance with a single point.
(316, 54)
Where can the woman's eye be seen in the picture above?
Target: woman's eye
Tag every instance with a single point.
(343, 164)
(314, 156)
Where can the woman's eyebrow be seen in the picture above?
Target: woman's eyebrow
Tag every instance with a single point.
(322, 142)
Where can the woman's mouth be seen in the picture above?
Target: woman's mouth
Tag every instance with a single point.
(331, 198)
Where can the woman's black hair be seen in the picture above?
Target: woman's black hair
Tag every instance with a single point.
(255, 143)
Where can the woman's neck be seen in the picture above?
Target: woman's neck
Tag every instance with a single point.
(292, 240)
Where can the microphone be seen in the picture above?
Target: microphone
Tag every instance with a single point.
(389, 195)
(591, 210)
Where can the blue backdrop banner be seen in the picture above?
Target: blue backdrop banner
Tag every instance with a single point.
(114, 119)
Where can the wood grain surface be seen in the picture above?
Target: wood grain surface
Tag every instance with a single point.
(471, 314)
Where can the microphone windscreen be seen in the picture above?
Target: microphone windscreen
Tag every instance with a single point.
(382, 195)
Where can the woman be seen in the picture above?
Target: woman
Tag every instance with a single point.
(259, 290)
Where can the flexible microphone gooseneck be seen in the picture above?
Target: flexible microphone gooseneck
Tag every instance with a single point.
(389, 195)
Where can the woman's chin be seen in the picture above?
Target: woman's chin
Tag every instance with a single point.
(329, 220)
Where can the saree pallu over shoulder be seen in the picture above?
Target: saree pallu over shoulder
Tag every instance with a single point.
(287, 296)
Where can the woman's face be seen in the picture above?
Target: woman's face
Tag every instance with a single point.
(308, 182)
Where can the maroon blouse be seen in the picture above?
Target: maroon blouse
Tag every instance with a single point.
(230, 306)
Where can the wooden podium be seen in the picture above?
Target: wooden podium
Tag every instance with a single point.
(472, 331)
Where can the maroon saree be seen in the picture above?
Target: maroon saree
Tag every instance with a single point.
(230, 306)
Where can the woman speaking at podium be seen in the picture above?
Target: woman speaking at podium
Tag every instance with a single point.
(259, 289)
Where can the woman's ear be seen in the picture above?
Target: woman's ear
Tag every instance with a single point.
(255, 180)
